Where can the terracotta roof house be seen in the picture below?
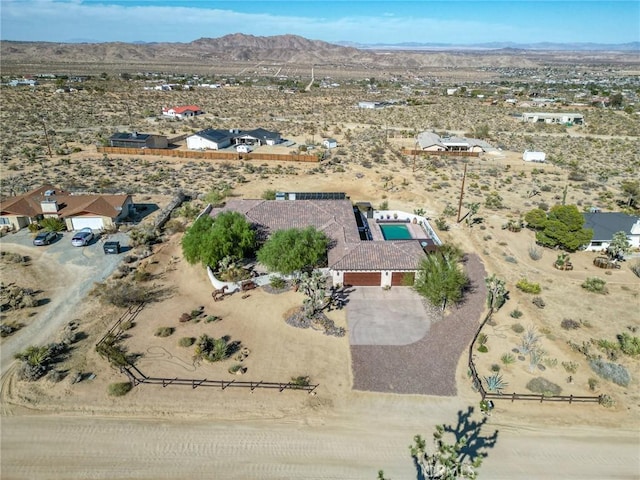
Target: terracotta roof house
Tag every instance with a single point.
(432, 142)
(354, 258)
(605, 224)
(78, 211)
(138, 140)
(184, 111)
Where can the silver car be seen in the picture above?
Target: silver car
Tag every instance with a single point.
(82, 238)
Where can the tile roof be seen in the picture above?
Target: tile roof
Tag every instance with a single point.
(28, 204)
(185, 108)
(336, 219)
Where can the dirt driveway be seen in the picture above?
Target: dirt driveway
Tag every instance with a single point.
(74, 271)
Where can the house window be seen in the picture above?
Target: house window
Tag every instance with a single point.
(4, 221)
(596, 244)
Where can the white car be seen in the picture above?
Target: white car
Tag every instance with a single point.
(82, 237)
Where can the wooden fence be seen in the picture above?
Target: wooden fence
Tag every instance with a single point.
(136, 377)
(477, 382)
(210, 154)
(443, 153)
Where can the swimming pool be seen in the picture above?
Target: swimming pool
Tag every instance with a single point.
(395, 231)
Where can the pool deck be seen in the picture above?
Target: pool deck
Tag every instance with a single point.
(416, 231)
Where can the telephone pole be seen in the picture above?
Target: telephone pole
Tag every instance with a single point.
(464, 176)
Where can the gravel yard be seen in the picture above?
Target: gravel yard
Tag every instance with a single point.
(428, 366)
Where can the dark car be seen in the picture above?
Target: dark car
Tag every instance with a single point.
(82, 237)
(44, 238)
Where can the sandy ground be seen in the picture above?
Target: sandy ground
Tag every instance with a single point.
(64, 431)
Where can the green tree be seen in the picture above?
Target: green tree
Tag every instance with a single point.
(52, 224)
(447, 462)
(615, 100)
(294, 249)
(619, 245)
(562, 227)
(440, 279)
(631, 190)
(210, 240)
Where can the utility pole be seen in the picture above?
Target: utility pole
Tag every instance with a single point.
(464, 176)
(46, 136)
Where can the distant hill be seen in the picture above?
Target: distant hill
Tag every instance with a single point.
(287, 49)
(549, 46)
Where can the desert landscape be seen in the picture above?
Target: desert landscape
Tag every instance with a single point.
(52, 133)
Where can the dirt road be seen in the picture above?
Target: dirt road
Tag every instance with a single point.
(354, 442)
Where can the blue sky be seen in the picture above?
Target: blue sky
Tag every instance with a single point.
(370, 21)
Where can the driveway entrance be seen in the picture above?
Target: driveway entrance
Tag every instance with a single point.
(386, 317)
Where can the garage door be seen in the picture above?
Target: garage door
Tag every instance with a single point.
(397, 278)
(362, 279)
(94, 223)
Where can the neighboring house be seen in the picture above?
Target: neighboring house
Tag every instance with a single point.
(351, 259)
(544, 117)
(330, 143)
(209, 139)
(185, 111)
(138, 140)
(606, 224)
(78, 211)
(432, 142)
(529, 156)
(216, 139)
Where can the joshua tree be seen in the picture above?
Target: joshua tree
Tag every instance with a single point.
(314, 288)
(619, 246)
(496, 292)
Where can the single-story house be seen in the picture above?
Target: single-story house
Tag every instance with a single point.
(330, 143)
(215, 139)
(78, 211)
(529, 156)
(209, 139)
(185, 111)
(353, 258)
(432, 142)
(606, 224)
(138, 140)
(545, 117)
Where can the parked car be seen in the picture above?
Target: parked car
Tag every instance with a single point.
(82, 237)
(44, 238)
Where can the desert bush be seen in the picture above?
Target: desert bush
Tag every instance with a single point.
(212, 349)
(119, 389)
(441, 224)
(595, 285)
(55, 376)
(593, 384)
(495, 383)
(570, 367)
(538, 302)
(300, 381)
(569, 324)
(10, 257)
(629, 345)
(141, 275)
(482, 340)
(163, 331)
(212, 318)
(35, 362)
(543, 386)
(495, 368)
(635, 268)
(126, 325)
(515, 313)
(142, 235)
(186, 341)
(535, 252)
(6, 330)
(508, 358)
(174, 226)
(614, 372)
(528, 287)
(518, 328)
(277, 282)
(52, 224)
(237, 368)
(122, 293)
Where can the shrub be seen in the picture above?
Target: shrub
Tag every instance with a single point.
(569, 324)
(300, 381)
(543, 386)
(123, 294)
(593, 384)
(126, 325)
(212, 318)
(535, 252)
(538, 302)
(186, 341)
(635, 268)
(174, 226)
(595, 285)
(495, 383)
(52, 224)
(277, 282)
(570, 367)
(614, 372)
(507, 358)
(119, 389)
(495, 368)
(164, 332)
(528, 287)
(518, 328)
(441, 224)
(515, 313)
(628, 344)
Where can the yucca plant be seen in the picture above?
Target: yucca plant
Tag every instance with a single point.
(495, 383)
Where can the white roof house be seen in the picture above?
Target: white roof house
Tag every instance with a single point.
(544, 117)
(209, 139)
(432, 142)
(529, 156)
